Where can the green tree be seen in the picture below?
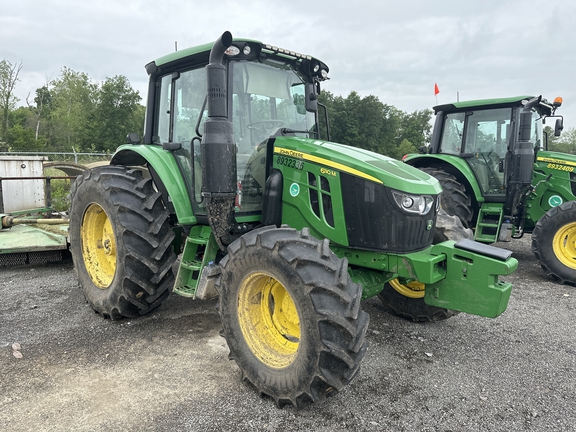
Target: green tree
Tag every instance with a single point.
(416, 127)
(8, 79)
(391, 129)
(370, 124)
(565, 143)
(73, 103)
(117, 112)
(20, 134)
(21, 138)
(405, 147)
(40, 109)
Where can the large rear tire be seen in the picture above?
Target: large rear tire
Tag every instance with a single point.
(291, 315)
(120, 241)
(455, 201)
(554, 242)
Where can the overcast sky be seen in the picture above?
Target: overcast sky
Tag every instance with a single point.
(395, 50)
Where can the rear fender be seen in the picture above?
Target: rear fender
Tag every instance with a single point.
(167, 171)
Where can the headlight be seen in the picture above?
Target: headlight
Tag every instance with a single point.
(419, 204)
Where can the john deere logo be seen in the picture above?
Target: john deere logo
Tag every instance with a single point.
(554, 201)
(294, 189)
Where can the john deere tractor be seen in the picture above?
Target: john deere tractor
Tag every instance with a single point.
(500, 180)
(289, 230)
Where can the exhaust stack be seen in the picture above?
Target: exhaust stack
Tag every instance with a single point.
(218, 148)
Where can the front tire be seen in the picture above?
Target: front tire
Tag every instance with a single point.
(120, 241)
(407, 301)
(291, 315)
(554, 242)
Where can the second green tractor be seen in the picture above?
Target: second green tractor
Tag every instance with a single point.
(499, 178)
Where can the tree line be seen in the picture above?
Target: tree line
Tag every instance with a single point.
(74, 113)
(368, 123)
(69, 113)
(565, 143)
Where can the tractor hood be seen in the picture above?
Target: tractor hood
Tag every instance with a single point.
(359, 162)
(556, 158)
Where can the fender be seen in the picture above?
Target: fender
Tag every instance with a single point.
(164, 164)
(452, 164)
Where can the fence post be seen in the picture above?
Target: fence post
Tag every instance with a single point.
(1, 197)
(48, 193)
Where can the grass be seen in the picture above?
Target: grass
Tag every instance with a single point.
(60, 190)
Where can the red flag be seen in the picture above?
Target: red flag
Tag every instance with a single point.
(436, 89)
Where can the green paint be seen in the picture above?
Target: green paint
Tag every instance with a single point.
(165, 165)
(471, 284)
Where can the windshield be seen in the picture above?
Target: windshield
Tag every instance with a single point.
(537, 130)
(265, 98)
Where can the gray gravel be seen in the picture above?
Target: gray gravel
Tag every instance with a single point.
(170, 371)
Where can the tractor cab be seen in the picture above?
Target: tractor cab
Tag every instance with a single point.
(483, 133)
(273, 92)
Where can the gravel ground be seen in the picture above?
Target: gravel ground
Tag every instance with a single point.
(170, 371)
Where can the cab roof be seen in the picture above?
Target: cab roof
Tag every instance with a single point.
(544, 107)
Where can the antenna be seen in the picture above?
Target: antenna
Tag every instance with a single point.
(175, 45)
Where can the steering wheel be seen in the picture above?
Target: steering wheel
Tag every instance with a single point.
(265, 125)
(493, 156)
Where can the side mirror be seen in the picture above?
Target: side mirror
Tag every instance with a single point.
(311, 98)
(558, 127)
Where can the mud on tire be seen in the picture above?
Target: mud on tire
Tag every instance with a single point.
(120, 241)
(291, 315)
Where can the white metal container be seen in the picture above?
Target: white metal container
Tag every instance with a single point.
(22, 194)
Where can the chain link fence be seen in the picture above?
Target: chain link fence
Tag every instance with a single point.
(73, 157)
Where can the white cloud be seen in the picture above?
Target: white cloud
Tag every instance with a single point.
(394, 50)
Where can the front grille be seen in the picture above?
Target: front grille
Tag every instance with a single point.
(374, 222)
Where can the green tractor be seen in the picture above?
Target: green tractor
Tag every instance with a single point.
(501, 181)
(234, 194)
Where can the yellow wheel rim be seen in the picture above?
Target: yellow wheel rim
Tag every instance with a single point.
(269, 320)
(98, 246)
(412, 289)
(564, 245)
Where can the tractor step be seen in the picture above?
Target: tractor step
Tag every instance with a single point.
(199, 252)
(489, 221)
